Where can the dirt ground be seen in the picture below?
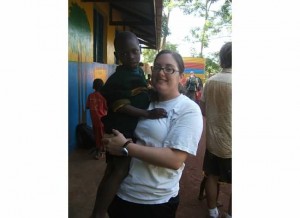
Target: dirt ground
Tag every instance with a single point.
(190, 206)
(86, 173)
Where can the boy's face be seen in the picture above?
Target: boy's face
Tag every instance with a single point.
(128, 52)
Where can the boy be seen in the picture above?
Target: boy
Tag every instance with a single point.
(96, 103)
(128, 99)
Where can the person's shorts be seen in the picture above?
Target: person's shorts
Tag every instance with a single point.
(217, 166)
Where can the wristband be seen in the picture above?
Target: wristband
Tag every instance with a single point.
(124, 148)
(126, 143)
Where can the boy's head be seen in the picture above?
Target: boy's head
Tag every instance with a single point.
(127, 49)
(97, 84)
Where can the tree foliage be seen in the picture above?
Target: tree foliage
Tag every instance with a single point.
(214, 21)
(168, 6)
(149, 54)
(211, 66)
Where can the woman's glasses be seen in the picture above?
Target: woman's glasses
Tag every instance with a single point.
(167, 70)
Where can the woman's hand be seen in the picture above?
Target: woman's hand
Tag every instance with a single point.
(113, 143)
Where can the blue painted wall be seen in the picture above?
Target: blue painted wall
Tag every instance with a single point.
(82, 70)
(80, 79)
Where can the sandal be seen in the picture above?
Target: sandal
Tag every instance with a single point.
(97, 155)
(102, 155)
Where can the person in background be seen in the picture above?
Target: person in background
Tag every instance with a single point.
(183, 80)
(200, 84)
(199, 90)
(151, 188)
(216, 106)
(191, 86)
(96, 103)
(128, 98)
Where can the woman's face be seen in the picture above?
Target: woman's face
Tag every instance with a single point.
(166, 83)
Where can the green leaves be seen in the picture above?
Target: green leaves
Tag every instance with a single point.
(215, 22)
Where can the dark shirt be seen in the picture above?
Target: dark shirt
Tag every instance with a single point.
(125, 86)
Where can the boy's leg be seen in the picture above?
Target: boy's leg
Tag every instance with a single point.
(96, 211)
(116, 171)
(102, 150)
(97, 135)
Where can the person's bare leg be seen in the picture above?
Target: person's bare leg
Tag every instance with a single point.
(96, 211)
(229, 207)
(211, 191)
(109, 186)
(219, 204)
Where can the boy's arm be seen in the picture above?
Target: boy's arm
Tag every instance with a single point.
(149, 114)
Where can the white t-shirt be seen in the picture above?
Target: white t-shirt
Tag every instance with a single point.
(150, 184)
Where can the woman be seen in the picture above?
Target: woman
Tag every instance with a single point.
(152, 185)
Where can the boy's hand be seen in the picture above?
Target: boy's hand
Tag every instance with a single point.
(157, 113)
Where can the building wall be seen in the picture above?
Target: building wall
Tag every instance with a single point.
(109, 31)
(81, 69)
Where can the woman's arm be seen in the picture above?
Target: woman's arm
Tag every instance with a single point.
(163, 157)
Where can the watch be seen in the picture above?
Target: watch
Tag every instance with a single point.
(124, 148)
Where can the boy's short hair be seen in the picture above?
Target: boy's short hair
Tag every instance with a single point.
(122, 36)
(97, 84)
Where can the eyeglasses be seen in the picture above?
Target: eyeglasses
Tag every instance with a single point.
(167, 70)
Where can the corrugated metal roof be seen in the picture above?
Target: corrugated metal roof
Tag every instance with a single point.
(142, 17)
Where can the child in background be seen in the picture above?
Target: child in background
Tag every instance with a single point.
(96, 103)
(128, 98)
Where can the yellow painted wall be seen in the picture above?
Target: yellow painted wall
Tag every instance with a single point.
(77, 53)
(110, 45)
(82, 71)
(109, 31)
(80, 31)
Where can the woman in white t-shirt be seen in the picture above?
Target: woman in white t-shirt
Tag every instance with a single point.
(151, 188)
